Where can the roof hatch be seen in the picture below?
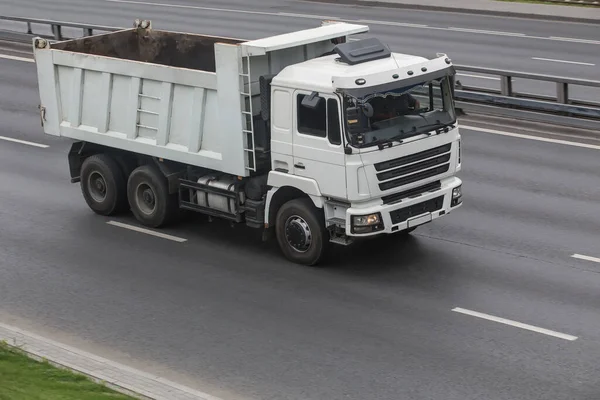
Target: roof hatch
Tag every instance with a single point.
(360, 51)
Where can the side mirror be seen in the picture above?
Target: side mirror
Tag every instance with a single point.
(311, 101)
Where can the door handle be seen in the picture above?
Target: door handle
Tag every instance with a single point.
(300, 166)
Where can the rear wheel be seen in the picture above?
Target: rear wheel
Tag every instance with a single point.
(149, 198)
(103, 185)
(301, 233)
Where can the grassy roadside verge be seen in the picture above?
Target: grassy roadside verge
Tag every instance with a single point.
(23, 378)
(554, 3)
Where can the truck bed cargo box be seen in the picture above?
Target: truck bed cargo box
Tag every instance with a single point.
(179, 96)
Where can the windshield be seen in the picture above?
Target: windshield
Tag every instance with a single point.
(397, 113)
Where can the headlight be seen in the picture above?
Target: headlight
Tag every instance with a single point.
(366, 220)
(456, 196)
(367, 223)
(457, 192)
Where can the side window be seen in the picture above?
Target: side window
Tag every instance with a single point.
(333, 122)
(312, 122)
(323, 121)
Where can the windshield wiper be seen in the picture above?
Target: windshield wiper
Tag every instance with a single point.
(425, 129)
(398, 138)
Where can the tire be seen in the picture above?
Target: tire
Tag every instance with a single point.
(149, 198)
(296, 220)
(127, 165)
(103, 185)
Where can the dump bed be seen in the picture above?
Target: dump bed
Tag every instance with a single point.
(179, 96)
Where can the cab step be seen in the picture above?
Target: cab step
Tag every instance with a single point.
(337, 221)
(341, 240)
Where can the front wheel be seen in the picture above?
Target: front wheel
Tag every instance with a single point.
(301, 232)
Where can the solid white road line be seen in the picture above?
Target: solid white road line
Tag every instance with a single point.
(539, 139)
(586, 258)
(147, 231)
(229, 10)
(307, 16)
(480, 77)
(565, 39)
(16, 58)
(43, 146)
(366, 21)
(515, 324)
(453, 28)
(5, 49)
(389, 23)
(562, 61)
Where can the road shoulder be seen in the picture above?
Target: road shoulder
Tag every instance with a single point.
(114, 375)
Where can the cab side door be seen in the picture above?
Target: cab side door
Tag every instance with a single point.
(318, 150)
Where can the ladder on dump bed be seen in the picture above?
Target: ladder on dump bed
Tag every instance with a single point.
(247, 115)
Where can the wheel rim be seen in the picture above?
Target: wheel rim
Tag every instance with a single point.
(97, 186)
(145, 199)
(298, 234)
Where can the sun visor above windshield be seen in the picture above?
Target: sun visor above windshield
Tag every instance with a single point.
(406, 76)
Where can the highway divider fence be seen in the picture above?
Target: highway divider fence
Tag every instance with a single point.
(556, 106)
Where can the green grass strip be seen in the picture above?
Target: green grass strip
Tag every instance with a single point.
(23, 378)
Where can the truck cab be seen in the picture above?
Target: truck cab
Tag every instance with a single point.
(371, 135)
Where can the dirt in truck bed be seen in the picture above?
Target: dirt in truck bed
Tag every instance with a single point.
(158, 47)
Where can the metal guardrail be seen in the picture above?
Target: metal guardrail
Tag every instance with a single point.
(560, 108)
(561, 104)
(56, 28)
(506, 84)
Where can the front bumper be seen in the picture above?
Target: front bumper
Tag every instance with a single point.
(408, 213)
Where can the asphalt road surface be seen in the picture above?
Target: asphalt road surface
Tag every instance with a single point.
(554, 48)
(394, 319)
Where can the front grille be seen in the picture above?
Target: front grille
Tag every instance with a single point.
(412, 193)
(403, 214)
(405, 180)
(397, 162)
(413, 168)
(384, 176)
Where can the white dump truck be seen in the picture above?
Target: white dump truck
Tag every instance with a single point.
(316, 136)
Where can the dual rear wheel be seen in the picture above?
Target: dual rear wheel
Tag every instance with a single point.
(149, 197)
(108, 191)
